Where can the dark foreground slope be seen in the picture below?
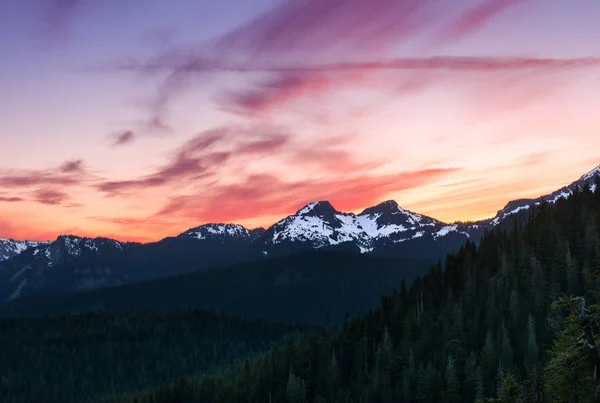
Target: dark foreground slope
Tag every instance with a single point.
(77, 358)
(315, 287)
(513, 319)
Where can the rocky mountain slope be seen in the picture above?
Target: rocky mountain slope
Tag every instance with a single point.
(10, 248)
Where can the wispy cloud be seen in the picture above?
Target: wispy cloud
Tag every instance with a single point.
(72, 167)
(67, 174)
(261, 195)
(207, 155)
(474, 19)
(46, 186)
(201, 156)
(123, 138)
(11, 199)
(305, 33)
(291, 83)
(50, 196)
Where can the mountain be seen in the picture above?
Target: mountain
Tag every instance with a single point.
(72, 262)
(69, 261)
(10, 248)
(307, 287)
(384, 230)
(513, 319)
(519, 208)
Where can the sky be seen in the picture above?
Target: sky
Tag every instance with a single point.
(139, 119)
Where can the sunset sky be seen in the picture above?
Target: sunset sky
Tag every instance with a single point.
(138, 119)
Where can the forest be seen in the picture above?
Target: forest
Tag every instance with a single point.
(79, 358)
(513, 319)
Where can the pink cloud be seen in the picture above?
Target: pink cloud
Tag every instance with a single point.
(316, 26)
(69, 173)
(10, 199)
(50, 196)
(201, 157)
(306, 32)
(403, 76)
(263, 195)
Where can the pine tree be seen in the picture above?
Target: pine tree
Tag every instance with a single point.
(489, 361)
(532, 355)
(333, 373)
(507, 351)
(295, 390)
(452, 383)
(480, 389)
(499, 375)
(409, 379)
(470, 377)
(509, 391)
(573, 275)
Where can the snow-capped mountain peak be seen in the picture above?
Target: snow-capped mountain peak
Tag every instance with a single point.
(221, 232)
(591, 175)
(317, 209)
(391, 208)
(320, 225)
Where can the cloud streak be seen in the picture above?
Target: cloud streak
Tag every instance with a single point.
(474, 19)
(201, 156)
(262, 195)
(123, 138)
(288, 83)
(207, 155)
(305, 33)
(50, 196)
(4, 199)
(69, 173)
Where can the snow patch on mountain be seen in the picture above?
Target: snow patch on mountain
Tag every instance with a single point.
(320, 225)
(369, 225)
(505, 214)
(591, 174)
(561, 195)
(10, 248)
(307, 209)
(75, 245)
(446, 230)
(208, 231)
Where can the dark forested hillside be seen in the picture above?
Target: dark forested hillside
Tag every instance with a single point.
(77, 358)
(317, 287)
(513, 319)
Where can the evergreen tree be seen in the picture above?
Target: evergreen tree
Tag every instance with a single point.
(507, 351)
(489, 364)
(452, 383)
(295, 390)
(532, 356)
(509, 391)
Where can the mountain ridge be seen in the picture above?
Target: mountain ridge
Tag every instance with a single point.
(386, 230)
(562, 192)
